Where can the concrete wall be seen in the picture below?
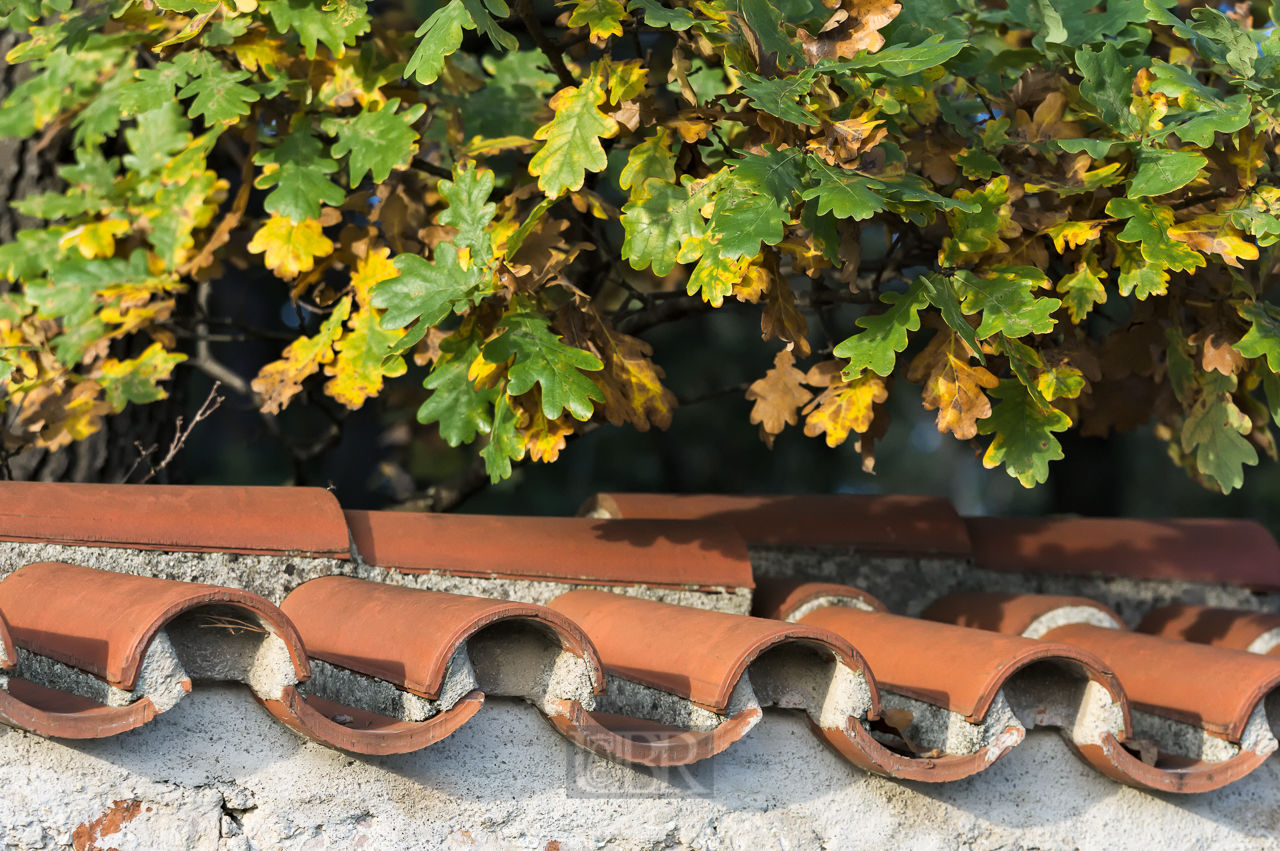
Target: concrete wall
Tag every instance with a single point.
(216, 773)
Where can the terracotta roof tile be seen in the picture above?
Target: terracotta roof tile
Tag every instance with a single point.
(253, 520)
(103, 623)
(1253, 632)
(949, 667)
(380, 668)
(703, 657)
(1156, 674)
(1241, 552)
(565, 549)
(917, 525)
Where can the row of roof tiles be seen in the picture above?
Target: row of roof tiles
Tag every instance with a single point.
(1179, 704)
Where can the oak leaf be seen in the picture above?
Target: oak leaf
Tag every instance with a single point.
(281, 380)
(290, 249)
(844, 406)
(1215, 234)
(362, 360)
(632, 384)
(853, 28)
(952, 385)
(572, 138)
(778, 397)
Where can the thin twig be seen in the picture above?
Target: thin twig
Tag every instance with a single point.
(210, 405)
(549, 48)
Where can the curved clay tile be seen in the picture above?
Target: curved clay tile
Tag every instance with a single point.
(1185, 697)
(100, 653)
(702, 677)
(1240, 552)
(440, 653)
(250, 520)
(680, 554)
(1252, 632)
(908, 525)
(790, 599)
(943, 681)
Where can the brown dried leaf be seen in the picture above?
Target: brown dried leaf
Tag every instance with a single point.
(782, 320)
(854, 27)
(778, 397)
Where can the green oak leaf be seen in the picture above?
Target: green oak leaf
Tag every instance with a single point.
(219, 94)
(744, 221)
(1263, 337)
(504, 444)
(1082, 288)
(877, 347)
(847, 194)
(314, 25)
(470, 211)
(1214, 430)
(462, 410)
(572, 139)
(651, 158)
(1107, 83)
(1199, 130)
(1241, 51)
(774, 173)
(378, 141)
(901, 60)
(942, 295)
(543, 358)
(1149, 225)
(152, 86)
(479, 12)
(1161, 172)
(160, 133)
(764, 19)
(1005, 296)
(441, 36)
(299, 177)
(781, 97)
(657, 224)
(425, 292)
(657, 15)
(1023, 430)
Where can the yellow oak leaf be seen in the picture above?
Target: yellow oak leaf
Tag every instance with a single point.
(1215, 234)
(358, 369)
(632, 384)
(845, 406)
(626, 79)
(952, 385)
(778, 397)
(281, 380)
(95, 239)
(290, 249)
(1073, 234)
(542, 438)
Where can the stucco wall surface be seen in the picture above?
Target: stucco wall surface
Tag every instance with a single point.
(217, 773)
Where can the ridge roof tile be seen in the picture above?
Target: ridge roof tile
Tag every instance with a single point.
(669, 553)
(1240, 552)
(247, 520)
(889, 525)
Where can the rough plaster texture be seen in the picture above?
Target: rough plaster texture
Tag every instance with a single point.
(273, 577)
(217, 774)
(908, 585)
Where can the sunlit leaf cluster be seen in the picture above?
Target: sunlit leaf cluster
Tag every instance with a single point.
(1045, 216)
